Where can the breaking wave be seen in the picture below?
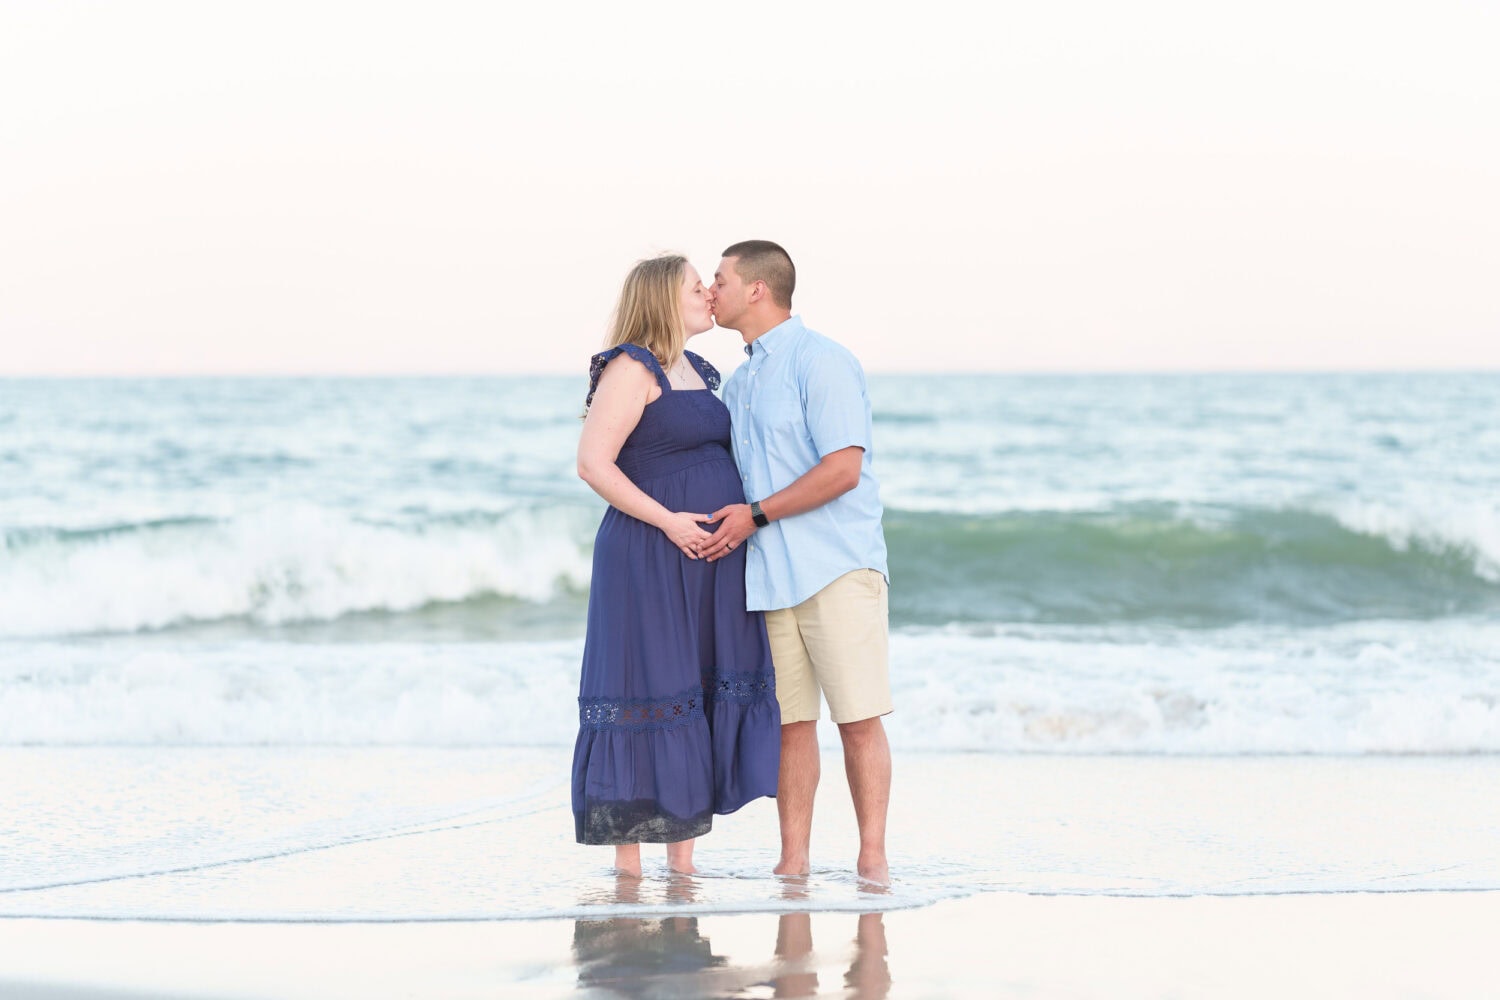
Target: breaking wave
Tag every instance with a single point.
(457, 575)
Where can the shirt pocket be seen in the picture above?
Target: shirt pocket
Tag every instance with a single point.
(777, 412)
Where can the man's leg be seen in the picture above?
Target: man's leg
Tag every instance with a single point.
(797, 785)
(867, 763)
(844, 631)
(797, 780)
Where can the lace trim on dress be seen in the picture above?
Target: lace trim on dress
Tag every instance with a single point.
(641, 715)
(709, 372)
(598, 362)
(744, 688)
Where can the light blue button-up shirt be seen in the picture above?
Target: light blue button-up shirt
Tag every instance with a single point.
(799, 397)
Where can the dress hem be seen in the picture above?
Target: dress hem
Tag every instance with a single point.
(640, 821)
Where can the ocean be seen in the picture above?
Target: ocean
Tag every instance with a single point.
(300, 616)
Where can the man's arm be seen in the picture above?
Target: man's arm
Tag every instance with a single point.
(837, 416)
(836, 474)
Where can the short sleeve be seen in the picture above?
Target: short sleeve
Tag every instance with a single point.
(600, 361)
(837, 404)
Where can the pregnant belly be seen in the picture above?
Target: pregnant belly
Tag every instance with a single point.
(702, 488)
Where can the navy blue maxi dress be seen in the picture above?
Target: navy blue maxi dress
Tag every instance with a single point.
(677, 710)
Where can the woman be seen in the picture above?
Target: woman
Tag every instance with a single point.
(678, 717)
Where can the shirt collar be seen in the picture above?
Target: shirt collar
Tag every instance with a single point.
(775, 337)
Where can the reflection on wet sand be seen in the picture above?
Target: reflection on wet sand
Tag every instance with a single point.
(633, 956)
(868, 976)
(638, 957)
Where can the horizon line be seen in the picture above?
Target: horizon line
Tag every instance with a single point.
(936, 373)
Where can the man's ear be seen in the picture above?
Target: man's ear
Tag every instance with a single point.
(758, 290)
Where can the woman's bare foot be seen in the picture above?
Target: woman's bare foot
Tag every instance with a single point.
(628, 859)
(680, 857)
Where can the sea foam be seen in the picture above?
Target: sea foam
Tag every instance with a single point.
(1375, 687)
(1188, 565)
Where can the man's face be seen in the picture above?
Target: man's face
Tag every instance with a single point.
(731, 294)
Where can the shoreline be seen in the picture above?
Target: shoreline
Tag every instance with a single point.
(1380, 944)
(249, 874)
(668, 911)
(396, 835)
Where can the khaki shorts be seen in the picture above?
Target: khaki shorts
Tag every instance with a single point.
(834, 641)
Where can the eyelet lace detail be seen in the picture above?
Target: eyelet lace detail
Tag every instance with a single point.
(744, 688)
(709, 372)
(655, 714)
(598, 362)
(641, 716)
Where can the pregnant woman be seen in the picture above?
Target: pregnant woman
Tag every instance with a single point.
(677, 708)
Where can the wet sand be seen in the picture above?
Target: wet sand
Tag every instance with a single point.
(997, 944)
(247, 873)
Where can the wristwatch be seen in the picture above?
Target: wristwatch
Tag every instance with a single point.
(757, 515)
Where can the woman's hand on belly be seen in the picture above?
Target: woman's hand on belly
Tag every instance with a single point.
(685, 531)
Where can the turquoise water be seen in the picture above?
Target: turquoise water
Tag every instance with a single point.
(1125, 563)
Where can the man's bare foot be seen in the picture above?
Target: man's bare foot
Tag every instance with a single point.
(874, 869)
(792, 866)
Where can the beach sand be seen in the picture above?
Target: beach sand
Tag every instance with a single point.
(408, 872)
(996, 944)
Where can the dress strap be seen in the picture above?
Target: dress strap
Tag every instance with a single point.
(709, 373)
(603, 358)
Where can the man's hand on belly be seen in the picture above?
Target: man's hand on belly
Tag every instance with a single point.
(735, 525)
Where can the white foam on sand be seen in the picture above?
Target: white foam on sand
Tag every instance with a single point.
(327, 834)
(1359, 688)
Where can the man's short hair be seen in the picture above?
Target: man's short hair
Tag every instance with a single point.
(762, 260)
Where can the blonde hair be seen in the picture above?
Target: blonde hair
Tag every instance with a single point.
(649, 313)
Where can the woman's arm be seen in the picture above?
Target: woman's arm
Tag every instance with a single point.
(624, 389)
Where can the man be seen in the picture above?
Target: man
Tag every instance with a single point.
(816, 561)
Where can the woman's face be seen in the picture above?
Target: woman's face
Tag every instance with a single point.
(697, 303)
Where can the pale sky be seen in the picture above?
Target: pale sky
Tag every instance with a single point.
(359, 188)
